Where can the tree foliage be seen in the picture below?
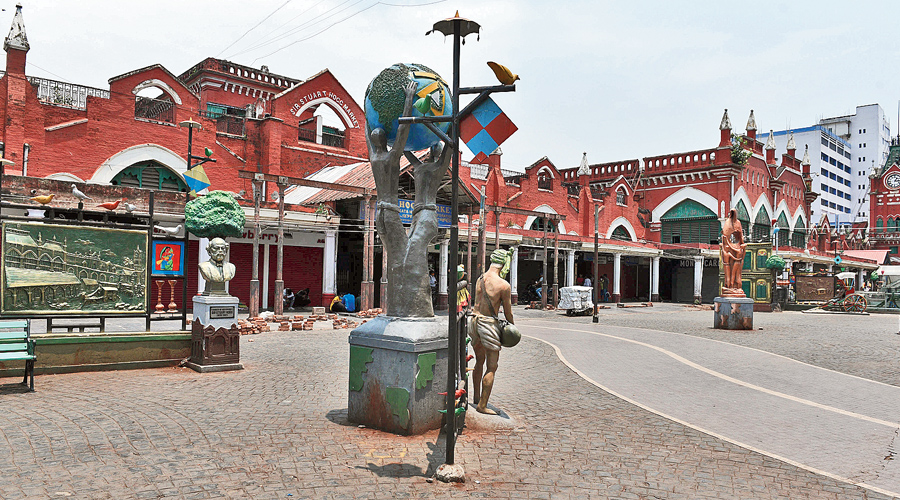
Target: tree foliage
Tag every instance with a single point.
(215, 215)
(739, 155)
(775, 262)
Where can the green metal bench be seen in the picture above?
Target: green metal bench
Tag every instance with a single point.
(16, 344)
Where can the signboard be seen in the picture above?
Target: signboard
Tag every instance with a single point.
(168, 258)
(406, 212)
(50, 269)
(221, 312)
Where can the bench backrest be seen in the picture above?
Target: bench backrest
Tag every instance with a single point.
(15, 335)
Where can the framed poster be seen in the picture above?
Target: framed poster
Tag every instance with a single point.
(54, 270)
(168, 258)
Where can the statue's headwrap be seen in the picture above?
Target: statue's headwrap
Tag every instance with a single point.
(503, 258)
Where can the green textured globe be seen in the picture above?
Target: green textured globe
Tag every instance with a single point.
(385, 97)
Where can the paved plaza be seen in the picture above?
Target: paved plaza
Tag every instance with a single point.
(278, 429)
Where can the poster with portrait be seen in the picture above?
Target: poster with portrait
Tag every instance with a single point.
(168, 258)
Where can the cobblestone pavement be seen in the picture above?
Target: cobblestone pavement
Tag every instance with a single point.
(278, 429)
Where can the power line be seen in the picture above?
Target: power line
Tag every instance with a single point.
(254, 27)
(261, 41)
(339, 22)
(322, 30)
(271, 37)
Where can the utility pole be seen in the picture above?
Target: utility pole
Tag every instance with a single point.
(596, 278)
(254, 271)
(279, 266)
(556, 271)
(544, 279)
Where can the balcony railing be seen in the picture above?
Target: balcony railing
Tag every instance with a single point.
(335, 140)
(545, 183)
(306, 135)
(154, 109)
(67, 95)
(228, 124)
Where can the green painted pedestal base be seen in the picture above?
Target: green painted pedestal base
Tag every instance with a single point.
(397, 368)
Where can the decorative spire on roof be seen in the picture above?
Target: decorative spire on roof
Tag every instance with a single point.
(770, 142)
(751, 122)
(805, 161)
(584, 169)
(791, 144)
(16, 38)
(726, 122)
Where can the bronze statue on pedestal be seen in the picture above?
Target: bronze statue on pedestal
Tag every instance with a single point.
(731, 251)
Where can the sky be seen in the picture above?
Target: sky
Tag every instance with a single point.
(616, 80)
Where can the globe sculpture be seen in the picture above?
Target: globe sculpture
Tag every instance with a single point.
(385, 97)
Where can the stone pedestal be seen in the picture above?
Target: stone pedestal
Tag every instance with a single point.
(397, 368)
(733, 313)
(215, 339)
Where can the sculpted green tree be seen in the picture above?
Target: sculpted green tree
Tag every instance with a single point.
(216, 216)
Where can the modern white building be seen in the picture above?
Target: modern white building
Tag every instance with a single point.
(843, 150)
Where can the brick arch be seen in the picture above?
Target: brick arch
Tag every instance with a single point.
(547, 209)
(135, 154)
(687, 193)
(623, 223)
(158, 84)
(331, 103)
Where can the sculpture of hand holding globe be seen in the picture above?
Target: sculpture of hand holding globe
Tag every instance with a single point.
(390, 96)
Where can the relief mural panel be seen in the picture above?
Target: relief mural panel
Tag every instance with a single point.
(50, 269)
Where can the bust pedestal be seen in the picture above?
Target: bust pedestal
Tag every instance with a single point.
(733, 313)
(215, 338)
(397, 368)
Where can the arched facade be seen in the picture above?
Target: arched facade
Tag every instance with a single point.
(135, 155)
(621, 224)
(687, 193)
(547, 209)
(690, 222)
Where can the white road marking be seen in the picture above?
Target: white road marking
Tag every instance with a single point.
(795, 463)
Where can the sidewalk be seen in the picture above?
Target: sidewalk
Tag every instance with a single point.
(279, 428)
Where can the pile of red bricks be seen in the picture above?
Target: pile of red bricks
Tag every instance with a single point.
(294, 323)
(253, 326)
(536, 304)
(343, 323)
(370, 313)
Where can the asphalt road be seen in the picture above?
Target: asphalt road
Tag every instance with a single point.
(824, 421)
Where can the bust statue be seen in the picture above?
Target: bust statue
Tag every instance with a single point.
(216, 272)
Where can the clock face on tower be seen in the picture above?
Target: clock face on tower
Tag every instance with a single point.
(892, 181)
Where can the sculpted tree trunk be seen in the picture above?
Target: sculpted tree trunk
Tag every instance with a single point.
(408, 289)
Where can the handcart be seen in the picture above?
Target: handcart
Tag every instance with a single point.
(576, 300)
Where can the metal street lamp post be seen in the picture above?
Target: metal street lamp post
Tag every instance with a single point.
(459, 28)
(190, 125)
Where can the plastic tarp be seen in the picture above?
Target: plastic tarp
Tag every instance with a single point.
(575, 297)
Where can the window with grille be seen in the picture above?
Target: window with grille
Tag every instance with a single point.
(538, 225)
(150, 175)
(762, 227)
(690, 222)
(620, 233)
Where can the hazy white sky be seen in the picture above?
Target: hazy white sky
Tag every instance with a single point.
(615, 79)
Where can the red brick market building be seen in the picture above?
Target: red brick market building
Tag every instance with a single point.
(660, 215)
(128, 135)
(657, 215)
